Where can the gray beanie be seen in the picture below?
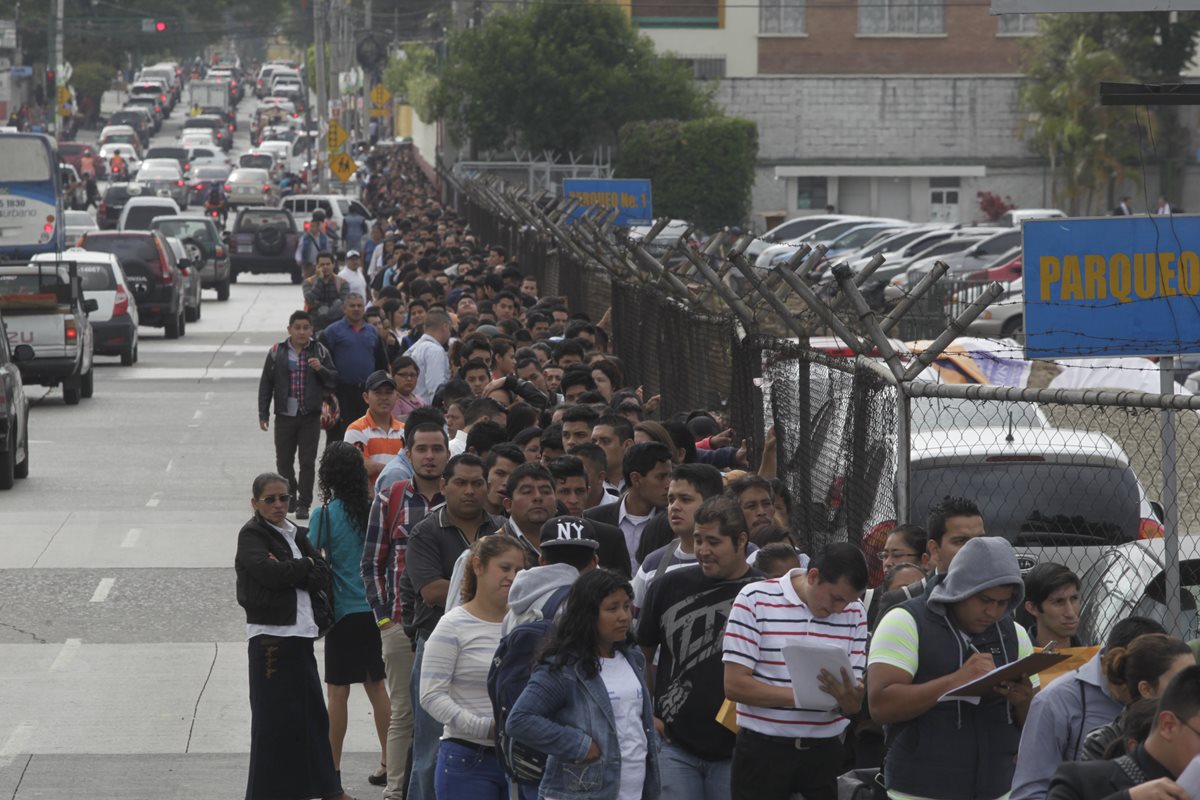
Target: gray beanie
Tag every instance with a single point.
(983, 563)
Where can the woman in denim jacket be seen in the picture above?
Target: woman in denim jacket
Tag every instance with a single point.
(586, 705)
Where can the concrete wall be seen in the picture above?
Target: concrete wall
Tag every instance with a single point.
(737, 42)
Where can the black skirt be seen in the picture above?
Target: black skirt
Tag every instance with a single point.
(290, 758)
(354, 651)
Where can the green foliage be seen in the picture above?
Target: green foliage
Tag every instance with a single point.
(700, 170)
(561, 77)
(1086, 143)
(413, 79)
(92, 78)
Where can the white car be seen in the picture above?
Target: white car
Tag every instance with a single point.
(124, 134)
(115, 320)
(138, 212)
(250, 187)
(197, 137)
(282, 152)
(206, 156)
(77, 223)
(1005, 317)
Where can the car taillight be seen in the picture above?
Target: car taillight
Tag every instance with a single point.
(70, 332)
(873, 544)
(48, 227)
(179, 183)
(120, 303)
(186, 166)
(162, 98)
(220, 251)
(163, 264)
(266, 188)
(102, 209)
(229, 187)
(1150, 529)
(233, 84)
(231, 127)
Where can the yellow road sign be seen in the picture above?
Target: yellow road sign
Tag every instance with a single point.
(380, 112)
(343, 166)
(337, 135)
(64, 96)
(380, 95)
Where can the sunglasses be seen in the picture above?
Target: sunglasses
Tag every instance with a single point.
(271, 499)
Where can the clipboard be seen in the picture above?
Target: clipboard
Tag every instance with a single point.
(982, 686)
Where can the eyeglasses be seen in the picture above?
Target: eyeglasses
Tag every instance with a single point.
(1184, 722)
(895, 555)
(271, 499)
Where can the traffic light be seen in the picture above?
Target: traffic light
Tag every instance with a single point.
(50, 75)
(160, 26)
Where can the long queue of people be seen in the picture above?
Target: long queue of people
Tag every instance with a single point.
(548, 593)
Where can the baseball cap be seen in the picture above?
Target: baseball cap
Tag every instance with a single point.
(575, 531)
(379, 378)
(353, 254)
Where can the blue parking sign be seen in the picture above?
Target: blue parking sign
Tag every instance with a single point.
(631, 196)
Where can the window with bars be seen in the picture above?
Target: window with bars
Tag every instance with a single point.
(876, 17)
(781, 16)
(704, 68)
(812, 192)
(1017, 23)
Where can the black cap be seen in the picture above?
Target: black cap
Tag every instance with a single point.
(379, 378)
(575, 531)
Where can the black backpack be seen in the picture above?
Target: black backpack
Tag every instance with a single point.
(511, 667)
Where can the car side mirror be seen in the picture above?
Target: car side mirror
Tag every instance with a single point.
(22, 352)
(91, 305)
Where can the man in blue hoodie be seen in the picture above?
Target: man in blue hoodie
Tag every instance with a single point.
(961, 630)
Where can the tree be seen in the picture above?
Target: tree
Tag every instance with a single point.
(701, 171)
(413, 79)
(558, 76)
(1154, 47)
(1086, 143)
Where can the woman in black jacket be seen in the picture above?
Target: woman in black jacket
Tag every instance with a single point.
(276, 568)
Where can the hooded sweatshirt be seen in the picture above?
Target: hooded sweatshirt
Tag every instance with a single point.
(530, 590)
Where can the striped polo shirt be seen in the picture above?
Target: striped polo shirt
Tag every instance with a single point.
(376, 444)
(768, 615)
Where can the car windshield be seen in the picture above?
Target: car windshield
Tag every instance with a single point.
(855, 238)
(953, 413)
(177, 153)
(248, 176)
(183, 228)
(127, 249)
(253, 220)
(257, 160)
(831, 231)
(78, 218)
(96, 277)
(28, 283)
(210, 173)
(1029, 497)
(157, 175)
(140, 217)
(23, 159)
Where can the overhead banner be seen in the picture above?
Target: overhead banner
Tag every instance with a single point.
(631, 196)
(1085, 6)
(1112, 286)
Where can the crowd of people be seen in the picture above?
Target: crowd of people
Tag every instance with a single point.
(548, 590)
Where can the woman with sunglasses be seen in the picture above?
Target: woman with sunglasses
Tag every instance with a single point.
(290, 757)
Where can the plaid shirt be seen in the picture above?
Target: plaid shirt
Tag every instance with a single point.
(386, 544)
(296, 367)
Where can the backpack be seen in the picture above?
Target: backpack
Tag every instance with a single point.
(511, 667)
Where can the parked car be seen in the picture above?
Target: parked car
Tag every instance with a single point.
(978, 256)
(800, 226)
(151, 271)
(250, 187)
(186, 257)
(44, 307)
(115, 320)
(140, 210)
(264, 240)
(1130, 579)
(1005, 317)
(14, 413)
(210, 258)
(77, 223)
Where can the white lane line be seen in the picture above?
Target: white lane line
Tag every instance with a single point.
(66, 654)
(198, 414)
(153, 501)
(208, 396)
(247, 340)
(170, 465)
(228, 363)
(40, 441)
(131, 537)
(193, 424)
(102, 589)
(17, 742)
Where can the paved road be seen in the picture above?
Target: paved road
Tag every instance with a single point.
(122, 647)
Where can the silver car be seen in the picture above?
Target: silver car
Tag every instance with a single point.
(251, 187)
(161, 180)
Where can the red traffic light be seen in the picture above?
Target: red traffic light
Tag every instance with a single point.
(160, 26)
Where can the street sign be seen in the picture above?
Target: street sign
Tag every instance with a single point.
(21, 71)
(632, 196)
(1111, 286)
(380, 95)
(380, 112)
(337, 136)
(63, 95)
(343, 166)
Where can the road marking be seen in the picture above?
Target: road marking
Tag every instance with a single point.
(208, 396)
(153, 501)
(40, 441)
(102, 589)
(18, 741)
(170, 465)
(131, 537)
(247, 340)
(228, 363)
(193, 424)
(198, 414)
(66, 654)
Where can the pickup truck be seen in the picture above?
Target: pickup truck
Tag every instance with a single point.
(45, 310)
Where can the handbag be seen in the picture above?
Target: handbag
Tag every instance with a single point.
(324, 613)
(330, 412)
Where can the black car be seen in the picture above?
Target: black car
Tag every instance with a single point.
(14, 414)
(152, 272)
(139, 119)
(108, 214)
(203, 234)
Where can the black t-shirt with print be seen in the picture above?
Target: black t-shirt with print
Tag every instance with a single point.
(684, 617)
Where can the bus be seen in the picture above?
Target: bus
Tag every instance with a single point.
(31, 206)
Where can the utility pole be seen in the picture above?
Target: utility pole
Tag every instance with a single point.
(319, 8)
(368, 81)
(53, 59)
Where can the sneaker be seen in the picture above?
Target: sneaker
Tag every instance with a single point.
(302, 512)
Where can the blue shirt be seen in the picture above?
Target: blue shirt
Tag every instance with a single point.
(353, 351)
(398, 469)
(342, 541)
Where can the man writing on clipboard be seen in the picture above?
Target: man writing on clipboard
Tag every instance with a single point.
(932, 644)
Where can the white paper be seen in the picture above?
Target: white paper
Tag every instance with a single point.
(1189, 779)
(804, 664)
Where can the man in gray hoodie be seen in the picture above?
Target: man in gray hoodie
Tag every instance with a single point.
(569, 549)
(937, 642)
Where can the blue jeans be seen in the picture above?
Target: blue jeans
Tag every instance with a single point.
(688, 777)
(469, 773)
(427, 731)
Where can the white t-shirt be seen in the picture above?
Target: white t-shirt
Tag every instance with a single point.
(358, 284)
(625, 696)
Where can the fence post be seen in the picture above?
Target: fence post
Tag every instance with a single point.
(1170, 499)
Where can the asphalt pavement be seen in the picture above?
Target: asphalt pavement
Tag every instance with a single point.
(122, 647)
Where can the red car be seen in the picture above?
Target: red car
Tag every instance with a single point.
(73, 153)
(1007, 272)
